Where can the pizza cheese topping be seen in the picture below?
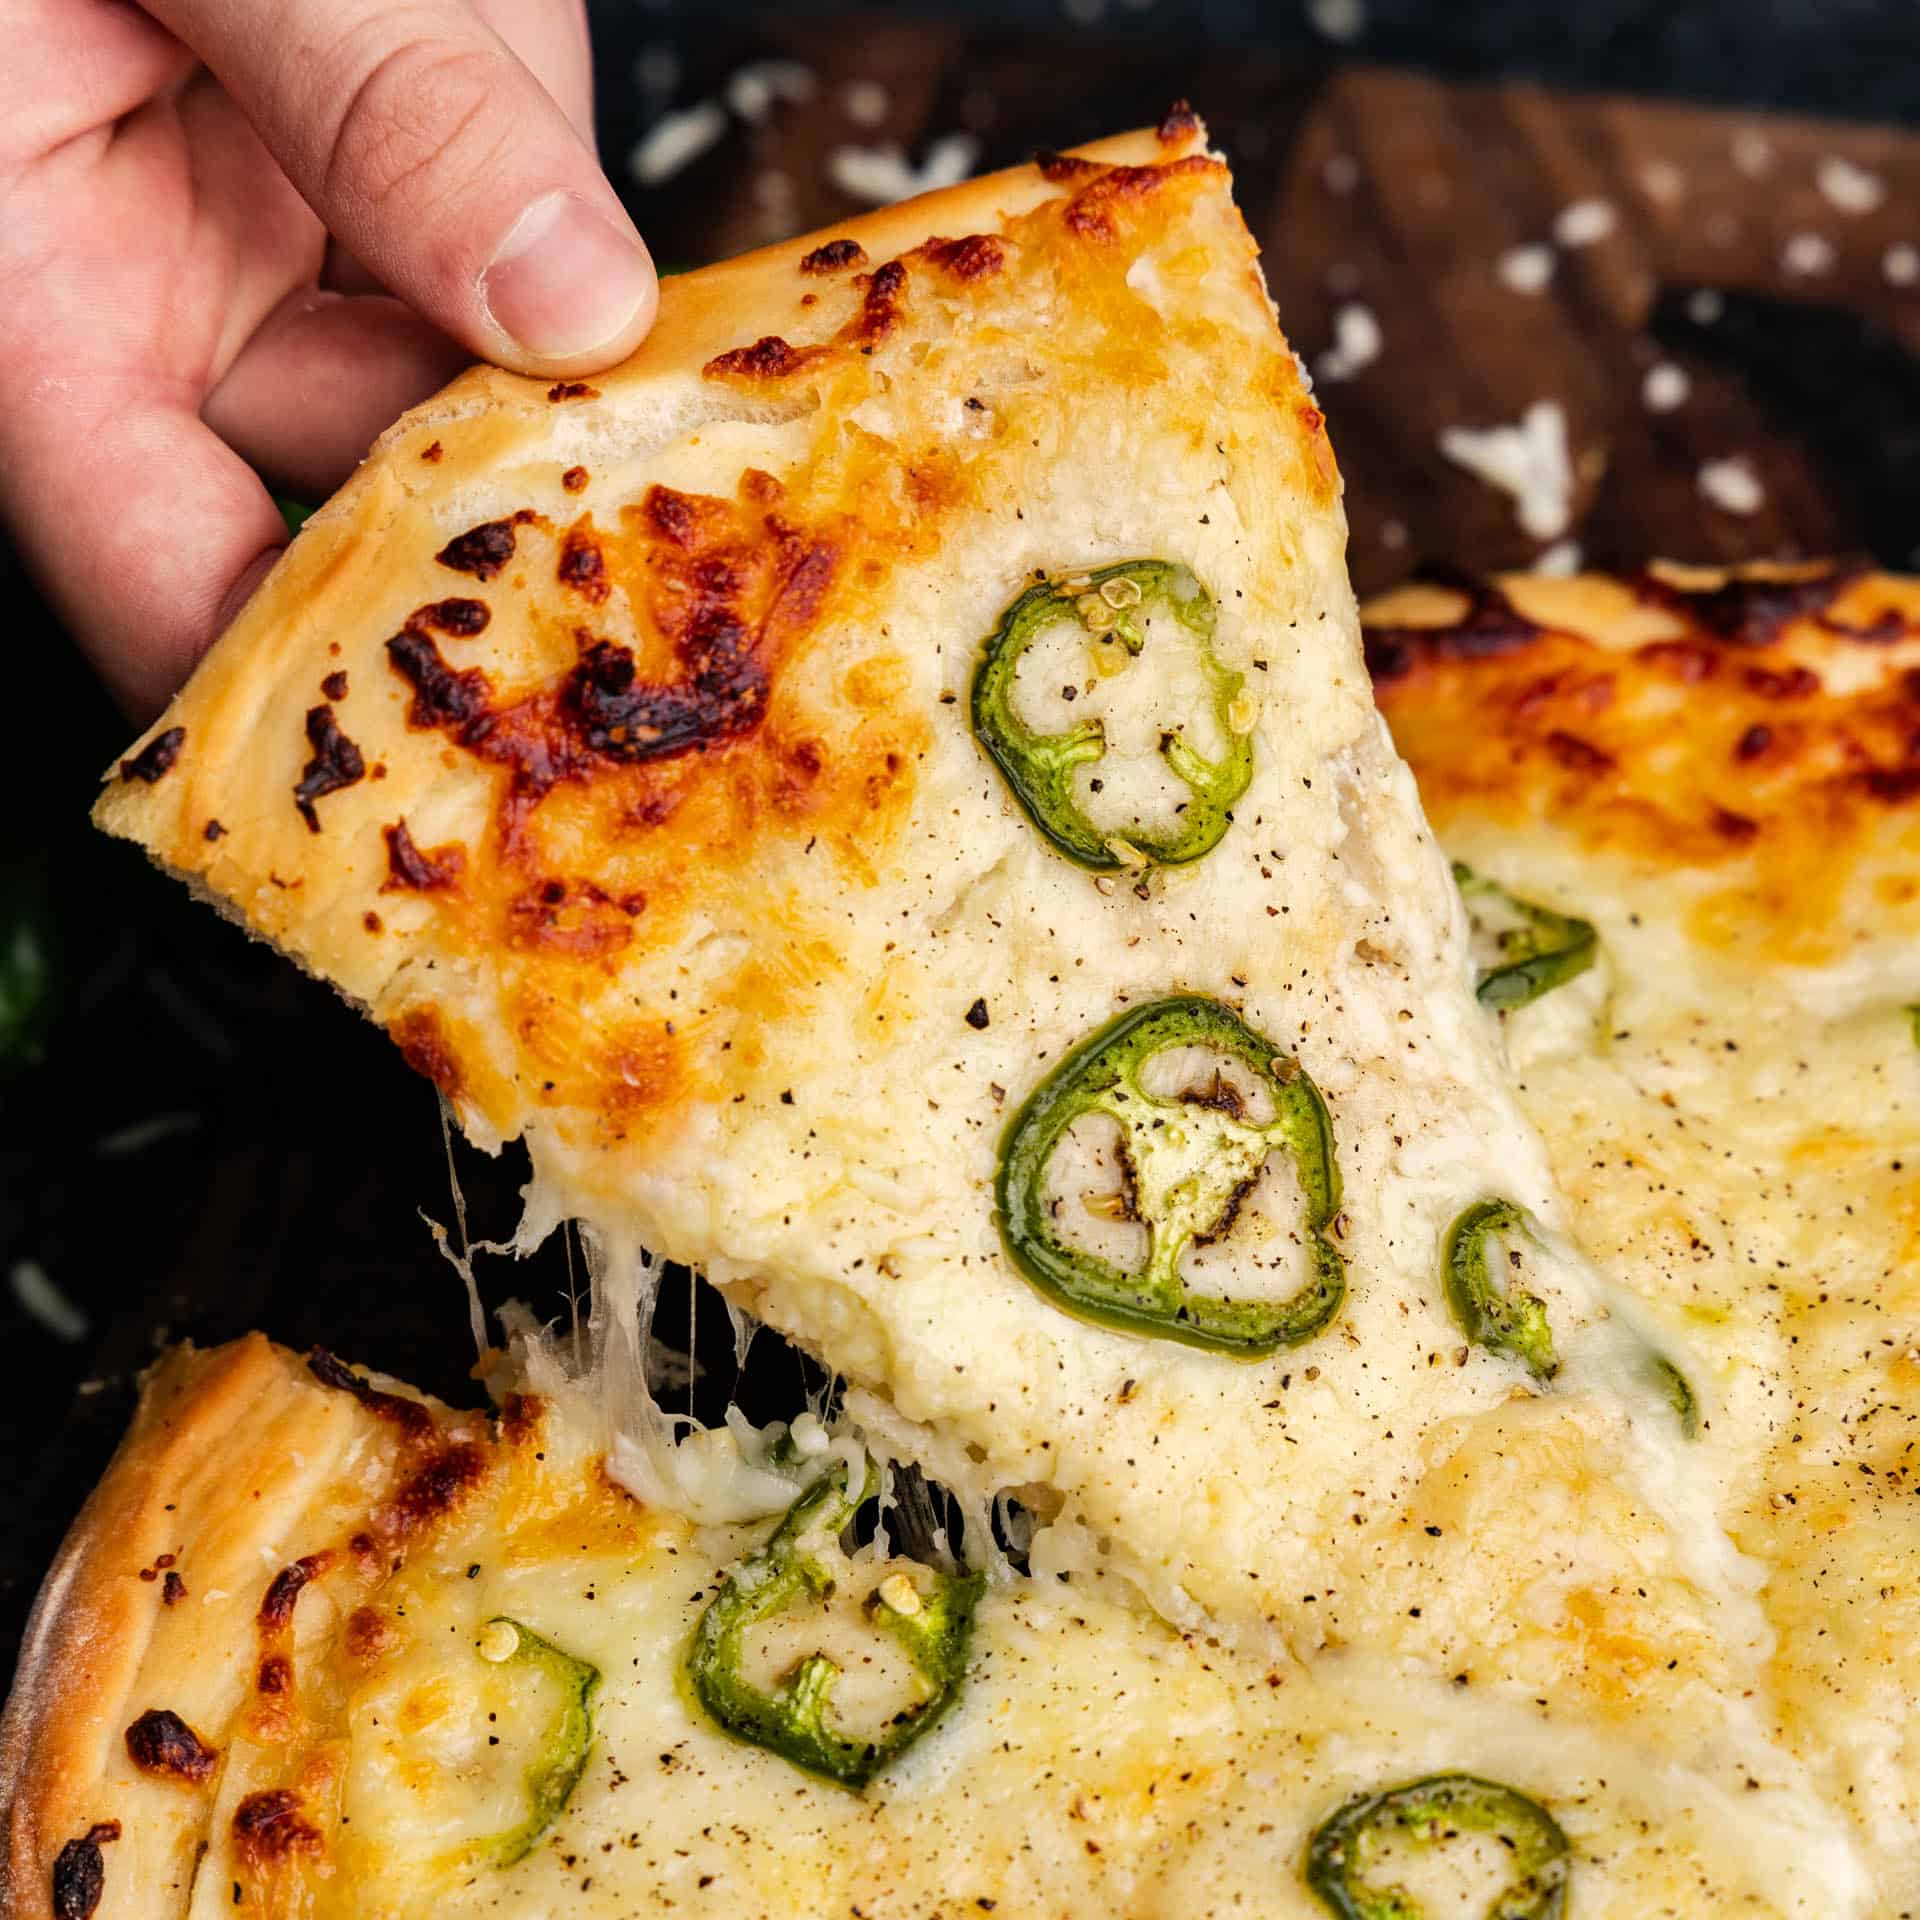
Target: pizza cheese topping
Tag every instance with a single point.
(1444, 1811)
(1065, 778)
(795, 1711)
(1181, 1106)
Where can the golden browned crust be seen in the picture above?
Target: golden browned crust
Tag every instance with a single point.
(145, 1628)
(1754, 733)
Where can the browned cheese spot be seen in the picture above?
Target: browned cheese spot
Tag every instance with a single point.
(161, 1743)
(572, 390)
(481, 551)
(284, 1590)
(413, 1420)
(834, 256)
(336, 763)
(80, 1875)
(410, 870)
(268, 1828)
(1180, 125)
(582, 567)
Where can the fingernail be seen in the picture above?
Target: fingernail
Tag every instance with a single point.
(566, 279)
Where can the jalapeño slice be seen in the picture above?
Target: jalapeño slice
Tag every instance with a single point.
(1527, 949)
(562, 1756)
(1111, 605)
(1190, 1158)
(1343, 1854)
(932, 1623)
(1501, 1319)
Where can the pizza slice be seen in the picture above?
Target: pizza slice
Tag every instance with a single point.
(1704, 787)
(882, 795)
(320, 1649)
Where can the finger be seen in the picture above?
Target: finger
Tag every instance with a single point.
(435, 157)
(75, 66)
(145, 532)
(552, 40)
(315, 386)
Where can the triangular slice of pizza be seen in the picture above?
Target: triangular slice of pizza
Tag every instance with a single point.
(882, 794)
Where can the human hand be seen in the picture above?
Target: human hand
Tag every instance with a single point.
(199, 264)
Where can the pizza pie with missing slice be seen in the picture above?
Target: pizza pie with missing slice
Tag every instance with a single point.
(881, 793)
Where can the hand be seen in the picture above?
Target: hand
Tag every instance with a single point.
(175, 320)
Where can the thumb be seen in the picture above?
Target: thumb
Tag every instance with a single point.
(438, 160)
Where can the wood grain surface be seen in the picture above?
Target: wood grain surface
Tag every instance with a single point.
(213, 1143)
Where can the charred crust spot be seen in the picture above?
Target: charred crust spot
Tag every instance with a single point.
(284, 1590)
(410, 870)
(481, 551)
(972, 258)
(214, 830)
(977, 1016)
(367, 1635)
(835, 256)
(156, 758)
(435, 1491)
(1490, 625)
(1575, 754)
(1181, 124)
(79, 1873)
(575, 479)
(160, 1742)
(267, 1827)
(581, 566)
(413, 1420)
(431, 453)
(769, 358)
(334, 686)
(459, 619)
(336, 763)
(172, 1590)
(1746, 612)
(442, 695)
(1063, 166)
(572, 390)
(275, 1678)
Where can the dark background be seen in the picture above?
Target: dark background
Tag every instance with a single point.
(203, 1142)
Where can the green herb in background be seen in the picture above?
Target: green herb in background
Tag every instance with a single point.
(27, 947)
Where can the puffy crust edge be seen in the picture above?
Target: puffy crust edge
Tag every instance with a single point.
(88, 1637)
(321, 575)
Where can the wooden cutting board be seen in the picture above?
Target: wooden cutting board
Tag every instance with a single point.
(1400, 195)
(217, 1144)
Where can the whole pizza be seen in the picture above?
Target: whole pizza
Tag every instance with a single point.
(1356, 1176)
